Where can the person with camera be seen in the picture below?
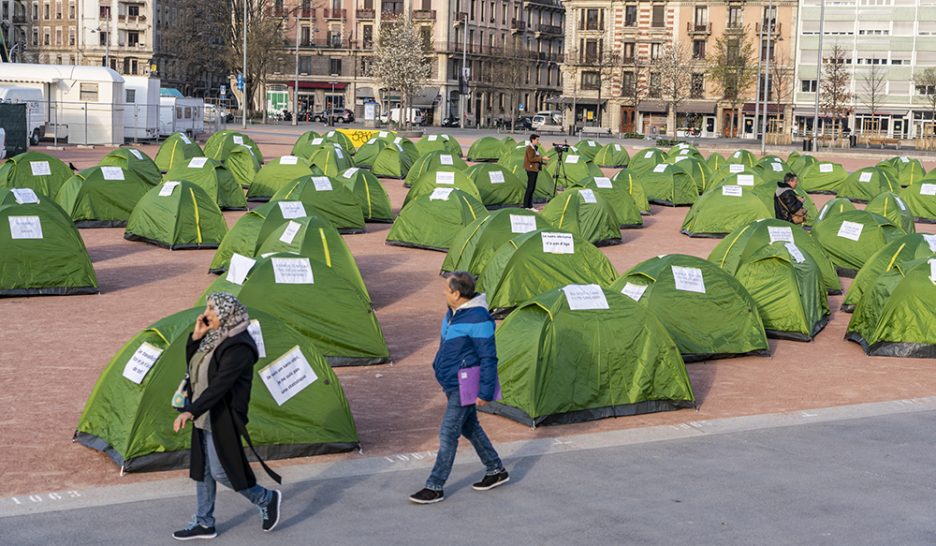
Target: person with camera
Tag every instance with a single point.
(787, 204)
(214, 396)
(532, 164)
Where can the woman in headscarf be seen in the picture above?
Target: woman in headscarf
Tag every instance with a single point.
(221, 355)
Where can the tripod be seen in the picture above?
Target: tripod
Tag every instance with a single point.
(560, 170)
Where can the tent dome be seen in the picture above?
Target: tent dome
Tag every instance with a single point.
(618, 197)
(131, 159)
(101, 196)
(486, 148)
(177, 148)
(177, 215)
(588, 148)
(822, 177)
(850, 238)
(326, 197)
(339, 138)
(920, 197)
(42, 173)
(214, 178)
(834, 207)
(634, 187)
(585, 213)
(574, 169)
(545, 184)
(865, 184)
(909, 170)
(438, 142)
(666, 184)
(891, 206)
(722, 210)
(645, 160)
(901, 251)
(743, 157)
(433, 220)
(473, 246)
(391, 162)
(697, 169)
(278, 173)
(219, 145)
(331, 160)
(428, 182)
(611, 155)
(497, 185)
(305, 144)
(370, 193)
(435, 162)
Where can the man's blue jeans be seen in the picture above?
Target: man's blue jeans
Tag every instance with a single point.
(460, 421)
(207, 489)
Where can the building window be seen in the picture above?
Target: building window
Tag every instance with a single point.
(594, 19)
(46, 11)
(659, 16)
(767, 50)
(131, 96)
(368, 36)
(58, 37)
(104, 38)
(58, 10)
(105, 12)
(130, 65)
(88, 92)
(627, 83)
(808, 86)
(71, 36)
(591, 51)
(629, 50)
(305, 65)
(697, 89)
(133, 10)
(133, 39)
(655, 49)
(653, 89)
(698, 49)
(46, 37)
(925, 89)
(630, 16)
(334, 66)
(71, 10)
(701, 16)
(734, 16)
(590, 80)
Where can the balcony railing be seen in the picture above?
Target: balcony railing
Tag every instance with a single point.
(496, 51)
(698, 28)
(366, 14)
(424, 15)
(774, 27)
(19, 19)
(340, 14)
(517, 25)
(307, 13)
(131, 19)
(549, 29)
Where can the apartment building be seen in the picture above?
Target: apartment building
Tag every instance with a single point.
(40, 31)
(117, 33)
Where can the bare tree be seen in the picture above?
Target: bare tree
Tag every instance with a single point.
(675, 80)
(781, 82)
(836, 82)
(925, 83)
(634, 80)
(508, 75)
(400, 62)
(873, 87)
(199, 47)
(733, 67)
(265, 45)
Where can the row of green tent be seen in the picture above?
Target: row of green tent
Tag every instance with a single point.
(491, 148)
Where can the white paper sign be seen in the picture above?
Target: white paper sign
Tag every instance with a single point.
(257, 334)
(445, 178)
(322, 183)
(732, 191)
(582, 297)
(136, 153)
(349, 173)
(239, 268)
(688, 279)
(446, 159)
(634, 291)
(737, 154)
(900, 203)
(24, 196)
(339, 153)
(140, 363)
(780, 233)
(522, 224)
(588, 196)
(112, 173)
(735, 168)
(317, 141)
(795, 252)
(167, 189)
(25, 227)
(292, 271)
(197, 162)
(398, 140)
(864, 177)
(40, 168)
(745, 179)
(850, 230)
(927, 189)
(383, 134)
(289, 160)
(288, 375)
(289, 234)
(292, 209)
(441, 194)
(648, 155)
(496, 177)
(184, 138)
(680, 158)
(558, 243)
(603, 182)
(777, 167)
(825, 167)
(330, 133)
(617, 147)
(433, 138)
(572, 159)
(930, 240)
(238, 139)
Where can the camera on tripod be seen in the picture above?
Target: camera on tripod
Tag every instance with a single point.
(561, 148)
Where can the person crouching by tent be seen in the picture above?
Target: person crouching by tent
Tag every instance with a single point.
(221, 355)
(467, 344)
(787, 205)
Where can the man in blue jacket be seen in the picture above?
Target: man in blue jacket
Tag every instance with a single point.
(467, 340)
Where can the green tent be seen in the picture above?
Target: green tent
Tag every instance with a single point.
(588, 148)
(319, 302)
(507, 144)
(920, 197)
(799, 163)
(573, 170)
(908, 170)
(101, 196)
(305, 144)
(749, 180)
(545, 184)
(325, 197)
(177, 215)
(368, 152)
(822, 177)
(865, 184)
(386, 136)
(515, 155)
(728, 169)
(472, 247)
(391, 162)
(685, 293)
(896, 315)
(428, 182)
(852, 237)
(743, 157)
(668, 185)
(433, 162)
(339, 138)
(722, 210)
(41, 252)
(252, 229)
(433, 220)
(716, 161)
(438, 142)
(243, 165)
(900, 251)
(497, 185)
(696, 169)
(370, 193)
(580, 353)
(645, 160)
(128, 415)
(772, 169)
(586, 214)
(219, 145)
(891, 206)
(131, 159)
(611, 155)
(636, 190)
(331, 160)
(683, 150)
(40, 172)
(212, 177)
(412, 154)
(747, 240)
(177, 148)
(539, 261)
(277, 174)
(487, 148)
(618, 197)
(834, 207)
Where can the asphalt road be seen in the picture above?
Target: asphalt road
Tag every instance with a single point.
(854, 481)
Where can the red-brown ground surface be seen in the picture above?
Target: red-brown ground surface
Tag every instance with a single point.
(52, 349)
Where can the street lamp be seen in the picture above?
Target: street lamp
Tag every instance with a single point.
(815, 146)
(331, 107)
(106, 43)
(295, 114)
(462, 89)
(244, 90)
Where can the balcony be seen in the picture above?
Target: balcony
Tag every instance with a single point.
(517, 25)
(698, 28)
(388, 15)
(131, 20)
(336, 14)
(551, 30)
(19, 19)
(774, 28)
(734, 26)
(424, 15)
(307, 13)
(366, 14)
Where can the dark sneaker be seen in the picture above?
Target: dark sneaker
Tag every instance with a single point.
(270, 514)
(195, 532)
(427, 496)
(491, 481)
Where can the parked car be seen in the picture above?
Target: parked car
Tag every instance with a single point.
(451, 121)
(546, 117)
(338, 115)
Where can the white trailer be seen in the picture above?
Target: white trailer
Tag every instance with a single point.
(180, 114)
(84, 104)
(141, 108)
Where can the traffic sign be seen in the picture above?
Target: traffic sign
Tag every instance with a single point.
(240, 82)
(520, 107)
(223, 90)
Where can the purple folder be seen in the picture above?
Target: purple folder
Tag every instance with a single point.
(469, 384)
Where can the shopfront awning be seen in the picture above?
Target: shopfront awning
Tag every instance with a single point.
(579, 101)
(900, 112)
(651, 106)
(425, 98)
(339, 86)
(364, 93)
(696, 107)
(772, 108)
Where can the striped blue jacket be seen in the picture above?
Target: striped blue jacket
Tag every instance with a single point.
(467, 339)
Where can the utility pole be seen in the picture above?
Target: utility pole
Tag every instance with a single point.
(244, 90)
(772, 23)
(295, 110)
(464, 74)
(815, 122)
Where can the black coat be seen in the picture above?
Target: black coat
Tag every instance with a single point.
(230, 376)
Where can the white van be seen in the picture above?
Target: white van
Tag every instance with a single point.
(546, 117)
(35, 109)
(415, 116)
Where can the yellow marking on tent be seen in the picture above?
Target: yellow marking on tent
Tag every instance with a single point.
(702, 172)
(172, 154)
(290, 192)
(894, 257)
(198, 236)
(564, 208)
(370, 207)
(728, 250)
(470, 209)
(161, 336)
(325, 246)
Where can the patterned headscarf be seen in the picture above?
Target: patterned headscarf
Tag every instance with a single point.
(233, 316)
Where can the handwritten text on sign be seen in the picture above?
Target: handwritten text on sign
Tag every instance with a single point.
(558, 243)
(40, 168)
(288, 375)
(291, 209)
(24, 196)
(780, 233)
(257, 334)
(25, 227)
(850, 230)
(239, 268)
(522, 224)
(688, 279)
(581, 297)
(141, 362)
(197, 162)
(292, 271)
(496, 177)
(634, 291)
